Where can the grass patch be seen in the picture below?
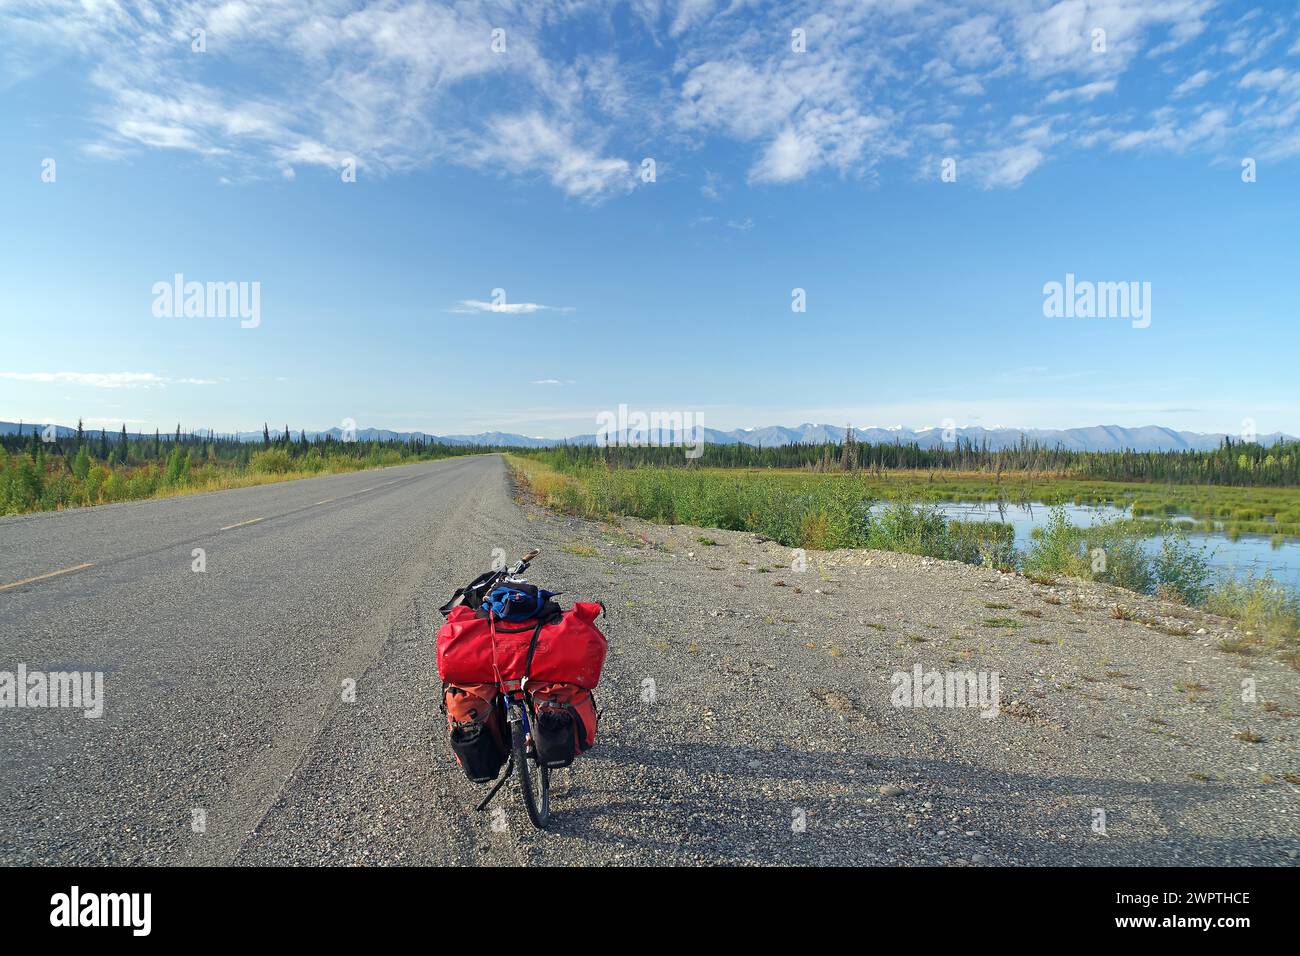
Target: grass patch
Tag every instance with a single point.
(1268, 611)
(1238, 645)
(1005, 622)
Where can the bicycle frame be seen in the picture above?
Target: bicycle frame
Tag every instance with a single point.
(515, 705)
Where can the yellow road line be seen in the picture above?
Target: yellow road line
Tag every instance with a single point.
(52, 574)
(240, 524)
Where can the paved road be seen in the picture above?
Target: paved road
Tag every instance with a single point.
(220, 685)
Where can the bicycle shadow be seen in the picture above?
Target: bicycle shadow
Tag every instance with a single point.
(729, 805)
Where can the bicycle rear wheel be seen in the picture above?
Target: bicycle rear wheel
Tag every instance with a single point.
(535, 784)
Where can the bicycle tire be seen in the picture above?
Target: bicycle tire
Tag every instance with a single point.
(539, 815)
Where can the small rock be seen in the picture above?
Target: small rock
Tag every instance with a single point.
(889, 790)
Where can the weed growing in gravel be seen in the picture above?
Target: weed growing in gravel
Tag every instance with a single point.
(1268, 612)
(1237, 645)
(1008, 622)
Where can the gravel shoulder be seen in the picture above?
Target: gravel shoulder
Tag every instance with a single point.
(749, 719)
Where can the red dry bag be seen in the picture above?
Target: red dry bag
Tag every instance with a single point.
(568, 649)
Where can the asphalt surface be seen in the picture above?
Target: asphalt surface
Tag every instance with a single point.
(221, 686)
(744, 722)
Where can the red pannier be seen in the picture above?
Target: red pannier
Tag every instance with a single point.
(564, 722)
(570, 649)
(478, 740)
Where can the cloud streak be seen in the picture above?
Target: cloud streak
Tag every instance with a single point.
(471, 306)
(103, 379)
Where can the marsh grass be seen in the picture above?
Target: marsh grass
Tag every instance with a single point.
(831, 511)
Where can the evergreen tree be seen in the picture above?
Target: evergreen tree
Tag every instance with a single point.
(103, 445)
(849, 456)
(123, 445)
(266, 435)
(81, 464)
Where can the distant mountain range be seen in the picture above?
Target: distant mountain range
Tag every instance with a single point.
(1096, 438)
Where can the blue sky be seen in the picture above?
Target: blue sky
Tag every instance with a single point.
(520, 170)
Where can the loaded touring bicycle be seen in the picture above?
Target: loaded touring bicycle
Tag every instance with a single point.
(518, 674)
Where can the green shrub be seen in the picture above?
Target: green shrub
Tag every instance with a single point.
(1183, 568)
(1057, 548)
(272, 461)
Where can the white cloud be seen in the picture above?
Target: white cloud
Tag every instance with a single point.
(1060, 38)
(1193, 82)
(1004, 167)
(466, 306)
(1210, 126)
(530, 142)
(688, 13)
(1086, 93)
(976, 42)
(1274, 80)
(103, 379)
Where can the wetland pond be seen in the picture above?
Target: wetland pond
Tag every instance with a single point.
(1247, 555)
